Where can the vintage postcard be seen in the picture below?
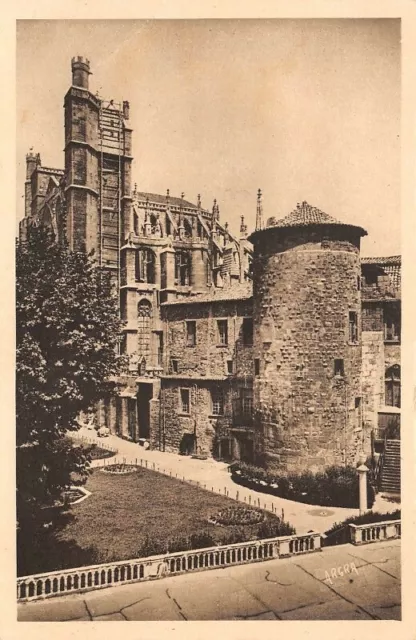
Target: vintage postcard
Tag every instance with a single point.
(212, 273)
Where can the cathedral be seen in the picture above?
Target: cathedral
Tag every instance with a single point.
(280, 346)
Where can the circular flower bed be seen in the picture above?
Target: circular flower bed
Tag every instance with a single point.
(237, 516)
(119, 469)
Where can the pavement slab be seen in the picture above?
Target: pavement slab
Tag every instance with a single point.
(51, 610)
(224, 599)
(334, 609)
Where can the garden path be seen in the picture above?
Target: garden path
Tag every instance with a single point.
(213, 475)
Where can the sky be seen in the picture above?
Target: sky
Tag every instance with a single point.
(305, 109)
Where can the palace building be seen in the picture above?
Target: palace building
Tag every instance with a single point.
(281, 346)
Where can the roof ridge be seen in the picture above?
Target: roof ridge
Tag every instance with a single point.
(307, 215)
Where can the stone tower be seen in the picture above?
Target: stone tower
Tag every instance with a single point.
(307, 341)
(97, 169)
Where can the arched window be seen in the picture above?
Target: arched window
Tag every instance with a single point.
(168, 226)
(188, 228)
(145, 266)
(136, 224)
(392, 386)
(182, 268)
(144, 319)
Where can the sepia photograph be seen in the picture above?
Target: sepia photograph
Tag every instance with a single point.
(208, 319)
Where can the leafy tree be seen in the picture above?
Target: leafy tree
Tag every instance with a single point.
(67, 331)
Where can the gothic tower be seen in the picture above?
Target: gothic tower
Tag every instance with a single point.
(97, 169)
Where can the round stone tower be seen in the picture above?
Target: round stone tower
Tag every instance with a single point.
(307, 341)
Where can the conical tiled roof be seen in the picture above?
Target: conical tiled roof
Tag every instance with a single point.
(305, 215)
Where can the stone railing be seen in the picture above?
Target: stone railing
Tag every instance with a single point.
(375, 532)
(58, 583)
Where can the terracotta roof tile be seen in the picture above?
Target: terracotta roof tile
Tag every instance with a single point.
(304, 216)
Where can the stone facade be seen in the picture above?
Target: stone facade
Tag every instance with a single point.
(282, 347)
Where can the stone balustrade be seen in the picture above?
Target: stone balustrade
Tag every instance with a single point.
(375, 532)
(58, 583)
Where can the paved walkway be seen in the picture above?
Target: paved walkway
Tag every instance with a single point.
(213, 475)
(339, 583)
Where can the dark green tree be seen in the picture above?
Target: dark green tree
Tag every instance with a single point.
(67, 331)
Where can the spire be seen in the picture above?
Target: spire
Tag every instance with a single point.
(259, 212)
(198, 201)
(226, 234)
(167, 196)
(243, 228)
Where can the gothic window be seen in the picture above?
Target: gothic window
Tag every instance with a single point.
(144, 317)
(392, 386)
(188, 228)
(217, 402)
(182, 268)
(168, 226)
(145, 266)
(136, 224)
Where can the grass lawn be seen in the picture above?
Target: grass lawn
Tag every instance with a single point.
(122, 511)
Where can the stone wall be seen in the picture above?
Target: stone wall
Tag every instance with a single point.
(305, 285)
(208, 356)
(373, 364)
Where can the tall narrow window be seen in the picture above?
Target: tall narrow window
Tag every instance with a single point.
(190, 333)
(182, 268)
(217, 400)
(160, 348)
(222, 326)
(145, 266)
(353, 327)
(247, 332)
(392, 386)
(338, 367)
(246, 398)
(144, 315)
(173, 365)
(185, 401)
(392, 322)
(257, 366)
(230, 367)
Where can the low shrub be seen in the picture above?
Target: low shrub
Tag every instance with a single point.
(179, 544)
(339, 533)
(201, 540)
(336, 486)
(235, 535)
(151, 547)
(274, 529)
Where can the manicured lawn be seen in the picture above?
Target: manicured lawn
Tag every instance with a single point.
(122, 512)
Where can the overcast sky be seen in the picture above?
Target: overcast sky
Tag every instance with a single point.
(303, 109)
